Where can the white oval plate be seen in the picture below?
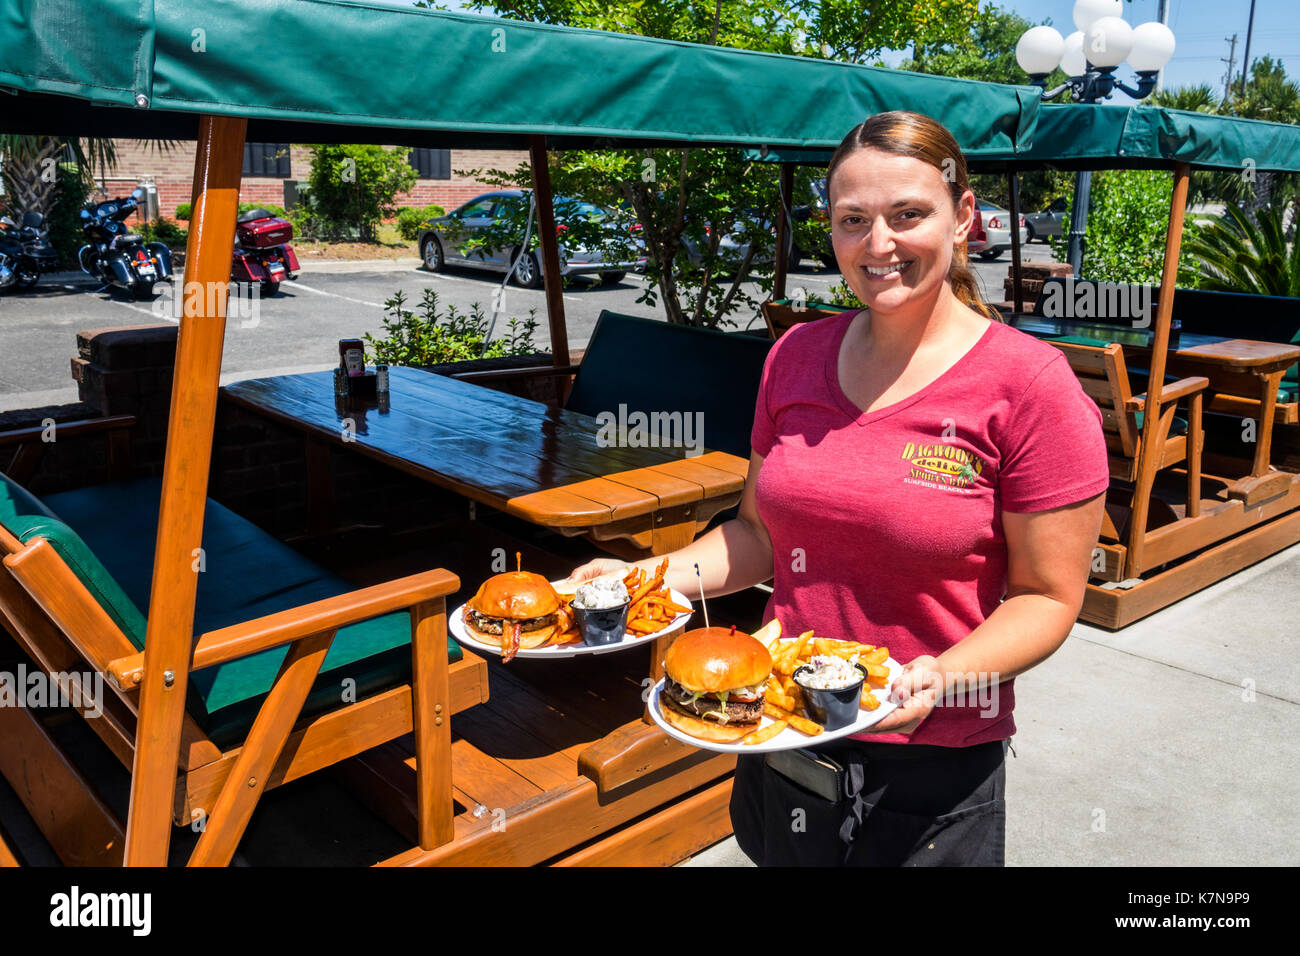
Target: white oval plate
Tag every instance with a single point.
(456, 624)
(788, 739)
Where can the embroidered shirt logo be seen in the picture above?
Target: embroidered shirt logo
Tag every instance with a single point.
(942, 465)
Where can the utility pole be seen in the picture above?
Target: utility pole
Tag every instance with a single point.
(1245, 62)
(1162, 14)
(1231, 61)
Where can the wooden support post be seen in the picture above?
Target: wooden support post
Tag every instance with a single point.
(1017, 294)
(218, 162)
(784, 230)
(551, 278)
(431, 718)
(1149, 454)
(261, 750)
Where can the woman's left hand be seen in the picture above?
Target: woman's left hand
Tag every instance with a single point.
(917, 691)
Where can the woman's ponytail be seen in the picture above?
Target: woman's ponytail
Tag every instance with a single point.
(965, 286)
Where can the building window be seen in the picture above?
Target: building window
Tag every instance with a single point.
(431, 163)
(266, 159)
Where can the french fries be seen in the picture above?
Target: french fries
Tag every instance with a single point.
(801, 724)
(650, 610)
(766, 734)
(783, 698)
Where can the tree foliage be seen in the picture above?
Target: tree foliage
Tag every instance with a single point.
(352, 188)
(1128, 217)
(987, 51)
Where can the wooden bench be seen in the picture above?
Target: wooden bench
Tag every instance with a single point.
(292, 670)
(1104, 377)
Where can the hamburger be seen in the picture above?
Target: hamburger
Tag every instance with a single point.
(516, 610)
(713, 683)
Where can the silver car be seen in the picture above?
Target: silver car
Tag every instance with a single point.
(1047, 223)
(997, 223)
(445, 241)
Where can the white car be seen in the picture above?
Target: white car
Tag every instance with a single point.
(997, 223)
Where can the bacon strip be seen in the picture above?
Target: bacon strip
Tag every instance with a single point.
(512, 648)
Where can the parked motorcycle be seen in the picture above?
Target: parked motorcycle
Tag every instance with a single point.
(119, 258)
(262, 251)
(25, 252)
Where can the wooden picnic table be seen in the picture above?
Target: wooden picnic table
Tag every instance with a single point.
(1236, 368)
(548, 467)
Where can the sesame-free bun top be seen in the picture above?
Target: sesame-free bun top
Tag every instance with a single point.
(709, 660)
(516, 595)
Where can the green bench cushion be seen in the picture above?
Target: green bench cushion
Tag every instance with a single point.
(27, 517)
(247, 574)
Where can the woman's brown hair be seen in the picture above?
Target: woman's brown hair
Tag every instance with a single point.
(912, 134)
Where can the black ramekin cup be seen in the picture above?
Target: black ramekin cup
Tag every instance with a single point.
(601, 625)
(832, 709)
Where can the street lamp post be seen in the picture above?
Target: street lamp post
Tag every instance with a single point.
(1089, 57)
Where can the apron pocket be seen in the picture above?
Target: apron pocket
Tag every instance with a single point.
(972, 836)
(779, 823)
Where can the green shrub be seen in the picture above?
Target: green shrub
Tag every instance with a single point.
(410, 219)
(352, 187)
(184, 210)
(1128, 217)
(432, 339)
(841, 294)
(1234, 254)
(70, 197)
(165, 231)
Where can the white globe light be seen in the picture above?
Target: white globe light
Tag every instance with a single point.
(1107, 42)
(1073, 62)
(1039, 50)
(1153, 46)
(1088, 12)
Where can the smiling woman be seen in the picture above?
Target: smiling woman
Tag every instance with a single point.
(922, 478)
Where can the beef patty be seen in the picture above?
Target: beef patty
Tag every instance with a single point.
(737, 710)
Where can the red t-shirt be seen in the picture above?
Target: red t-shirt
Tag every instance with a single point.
(886, 527)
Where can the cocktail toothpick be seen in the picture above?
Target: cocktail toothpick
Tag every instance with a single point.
(703, 607)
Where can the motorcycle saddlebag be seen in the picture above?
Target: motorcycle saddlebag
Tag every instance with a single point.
(264, 233)
(246, 269)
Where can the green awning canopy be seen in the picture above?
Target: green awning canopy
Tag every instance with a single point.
(1140, 136)
(315, 70)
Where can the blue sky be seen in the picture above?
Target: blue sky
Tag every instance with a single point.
(1200, 30)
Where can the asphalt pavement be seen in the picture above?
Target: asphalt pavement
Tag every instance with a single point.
(298, 329)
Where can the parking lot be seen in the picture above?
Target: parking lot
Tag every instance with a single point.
(299, 329)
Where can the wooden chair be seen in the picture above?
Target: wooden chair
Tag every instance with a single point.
(781, 315)
(1104, 377)
(51, 611)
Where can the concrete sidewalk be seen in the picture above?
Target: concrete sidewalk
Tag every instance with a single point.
(1174, 742)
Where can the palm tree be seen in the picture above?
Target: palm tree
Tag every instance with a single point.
(1196, 99)
(1234, 254)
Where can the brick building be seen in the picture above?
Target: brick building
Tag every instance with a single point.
(273, 170)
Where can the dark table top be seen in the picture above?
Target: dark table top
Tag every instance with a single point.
(1223, 350)
(547, 466)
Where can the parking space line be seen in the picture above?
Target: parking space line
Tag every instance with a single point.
(335, 295)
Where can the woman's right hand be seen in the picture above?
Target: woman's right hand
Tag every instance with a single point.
(595, 568)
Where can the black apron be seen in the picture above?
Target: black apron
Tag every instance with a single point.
(900, 805)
